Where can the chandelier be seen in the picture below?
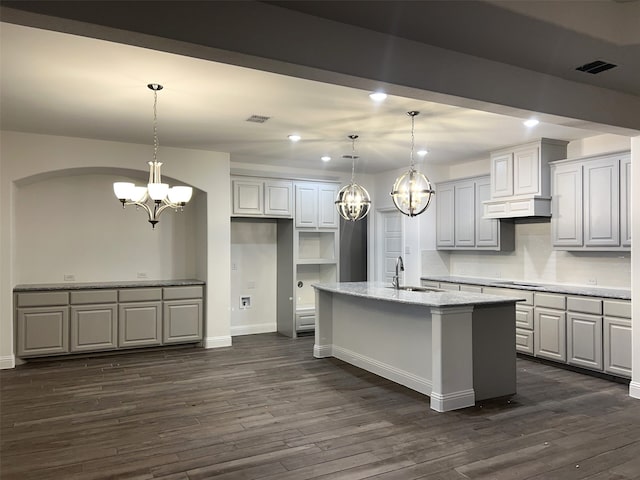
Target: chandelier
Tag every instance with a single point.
(353, 201)
(412, 191)
(161, 195)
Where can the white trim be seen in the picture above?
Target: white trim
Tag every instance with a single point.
(253, 329)
(453, 401)
(634, 389)
(217, 342)
(410, 380)
(7, 361)
(322, 351)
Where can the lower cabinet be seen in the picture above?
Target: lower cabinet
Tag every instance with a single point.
(80, 321)
(617, 337)
(140, 324)
(42, 331)
(584, 340)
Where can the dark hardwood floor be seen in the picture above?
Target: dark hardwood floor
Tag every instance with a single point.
(266, 409)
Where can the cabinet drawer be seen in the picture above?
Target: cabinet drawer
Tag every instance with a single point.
(41, 299)
(449, 286)
(180, 293)
(471, 288)
(139, 294)
(584, 305)
(550, 300)
(79, 297)
(524, 341)
(305, 321)
(524, 316)
(429, 283)
(617, 308)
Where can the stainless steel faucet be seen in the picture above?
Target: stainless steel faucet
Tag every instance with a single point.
(399, 268)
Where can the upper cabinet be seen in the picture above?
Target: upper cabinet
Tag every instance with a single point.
(315, 207)
(591, 203)
(459, 218)
(520, 185)
(256, 197)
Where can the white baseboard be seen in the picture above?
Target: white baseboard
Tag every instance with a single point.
(217, 342)
(322, 351)
(634, 389)
(7, 361)
(410, 380)
(453, 401)
(253, 329)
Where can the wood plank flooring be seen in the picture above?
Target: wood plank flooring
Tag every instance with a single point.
(266, 409)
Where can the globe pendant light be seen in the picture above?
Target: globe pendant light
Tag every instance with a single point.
(353, 201)
(162, 196)
(412, 191)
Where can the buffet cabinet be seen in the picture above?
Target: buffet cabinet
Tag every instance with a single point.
(593, 333)
(79, 321)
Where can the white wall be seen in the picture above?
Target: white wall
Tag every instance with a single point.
(27, 158)
(253, 272)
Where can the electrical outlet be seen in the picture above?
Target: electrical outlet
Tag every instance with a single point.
(234, 266)
(69, 277)
(142, 274)
(592, 281)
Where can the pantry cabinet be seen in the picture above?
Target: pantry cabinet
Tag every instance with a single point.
(591, 203)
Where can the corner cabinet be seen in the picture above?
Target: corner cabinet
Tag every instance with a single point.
(257, 197)
(58, 321)
(591, 203)
(520, 179)
(460, 224)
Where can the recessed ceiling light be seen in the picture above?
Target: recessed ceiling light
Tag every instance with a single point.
(325, 158)
(378, 96)
(532, 122)
(295, 138)
(423, 152)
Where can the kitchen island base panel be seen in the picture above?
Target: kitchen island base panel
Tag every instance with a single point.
(432, 350)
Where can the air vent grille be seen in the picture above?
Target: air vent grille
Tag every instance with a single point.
(258, 118)
(351, 157)
(596, 67)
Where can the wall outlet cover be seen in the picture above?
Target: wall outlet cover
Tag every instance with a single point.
(245, 302)
(69, 277)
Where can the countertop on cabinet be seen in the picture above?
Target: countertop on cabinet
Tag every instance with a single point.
(567, 289)
(385, 292)
(105, 285)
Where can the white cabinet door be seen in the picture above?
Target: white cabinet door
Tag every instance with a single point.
(566, 206)
(526, 171)
(327, 213)
(464, 214)
(247, 197)
(444, 216)
(306, 205)
(550, 334)
(502, 175)
(601, 203)
(486, 229)
(617, 346)
(625, 201)
(584, 342)
(278, 198)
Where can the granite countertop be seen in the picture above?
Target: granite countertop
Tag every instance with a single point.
(584, 290)
(385, 292)
(105, 285)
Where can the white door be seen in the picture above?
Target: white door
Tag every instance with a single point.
(391, 241)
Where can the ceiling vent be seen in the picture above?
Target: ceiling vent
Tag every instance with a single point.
(596, 67)
(257, 119)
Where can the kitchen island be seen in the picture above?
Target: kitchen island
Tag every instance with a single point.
(455, 347)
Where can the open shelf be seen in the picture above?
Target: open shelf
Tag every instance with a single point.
(316, 247)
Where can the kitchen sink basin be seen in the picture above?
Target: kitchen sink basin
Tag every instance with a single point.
(418, 289)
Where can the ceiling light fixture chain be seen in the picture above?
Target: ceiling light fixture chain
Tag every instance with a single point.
(412, 191)
(353, 201)
(162, 196)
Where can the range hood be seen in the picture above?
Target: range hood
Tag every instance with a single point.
(520, 179)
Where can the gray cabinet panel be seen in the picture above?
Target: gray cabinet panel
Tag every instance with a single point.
(93, 296)
(617, 346)
(182, 321)
(42, 331)
(625, 200)
(445, 216)
(524, 316)
(584, 342)
(94, 327)
(524, 341)
(566, 207)
(550, 334)
(181, 293)
(464, 214)
(139, 324)
(139, 294)
(601, 203)
(486, 229)
(41, 299)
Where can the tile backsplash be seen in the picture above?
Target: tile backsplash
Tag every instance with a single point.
(534, 259)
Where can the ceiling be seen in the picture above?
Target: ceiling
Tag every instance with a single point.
(61, 84)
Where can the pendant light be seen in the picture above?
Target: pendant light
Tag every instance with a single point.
(353, 201)
(162, 196)
(412, 191)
